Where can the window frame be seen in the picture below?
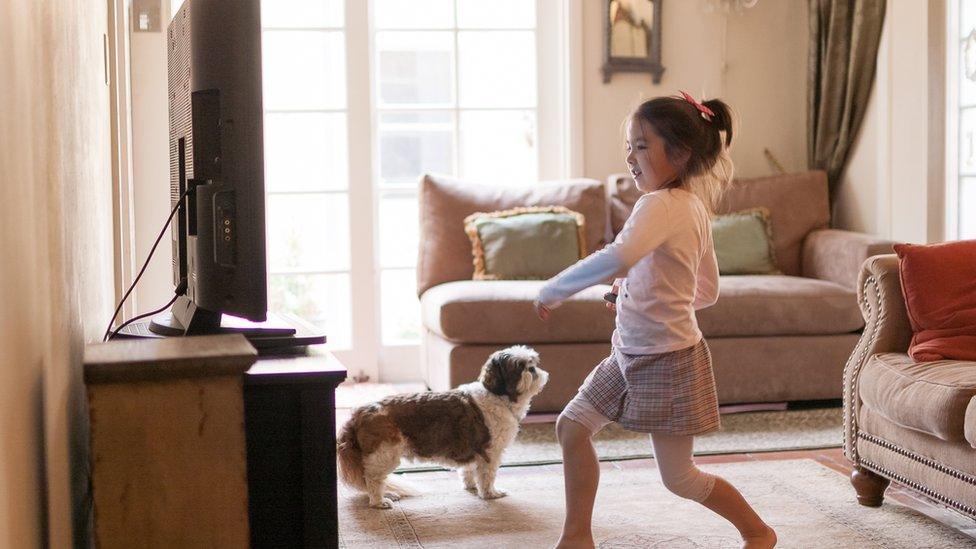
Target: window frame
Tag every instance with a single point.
(953, 116)
(558, 128)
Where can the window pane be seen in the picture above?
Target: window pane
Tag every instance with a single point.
(412, 144)
(967, 208)
(967, 86)
(308, 232)
(499, 146)
(967, 141)
(305, 151)
(496, 14)
(967, 19)
(415, 68)
(399, 221)
(322, 300)
(413, 14)
(304, 70)
(491, 62)
(302, 13)
(400, 307)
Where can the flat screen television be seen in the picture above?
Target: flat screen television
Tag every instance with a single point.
(216, 168)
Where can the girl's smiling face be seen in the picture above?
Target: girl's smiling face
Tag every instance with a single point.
(646, 157)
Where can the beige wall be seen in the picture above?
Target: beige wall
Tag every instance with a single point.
(755, 60)
(894, 182)
(56, 271)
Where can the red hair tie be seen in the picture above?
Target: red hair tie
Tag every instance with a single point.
(706, 113)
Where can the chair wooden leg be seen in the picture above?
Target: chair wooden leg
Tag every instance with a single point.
(870, 486)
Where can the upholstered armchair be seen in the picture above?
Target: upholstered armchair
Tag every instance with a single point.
(911, 422)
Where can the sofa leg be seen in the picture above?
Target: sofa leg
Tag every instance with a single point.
(870, 486)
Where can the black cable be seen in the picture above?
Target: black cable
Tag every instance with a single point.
(108, 330)
(144, 315)
(180, 290)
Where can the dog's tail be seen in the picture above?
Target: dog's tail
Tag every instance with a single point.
(350, 457)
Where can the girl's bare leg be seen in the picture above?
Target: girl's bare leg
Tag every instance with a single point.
(581, 471)
(729, 503)
(673, 454)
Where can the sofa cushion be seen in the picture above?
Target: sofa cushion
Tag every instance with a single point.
(797, 204)
(939, 285)
(445, 251)
(764, 305)
(930, 397)
(500, 311)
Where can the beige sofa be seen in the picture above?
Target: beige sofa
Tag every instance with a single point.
(773, 337)
(911, 422)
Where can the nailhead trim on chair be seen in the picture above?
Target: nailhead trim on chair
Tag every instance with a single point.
(918, 487)
(850, 414)
(919, 458)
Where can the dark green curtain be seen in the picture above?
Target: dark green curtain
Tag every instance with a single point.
(844, 36)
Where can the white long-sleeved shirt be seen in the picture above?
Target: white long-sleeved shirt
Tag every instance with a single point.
(666, 251)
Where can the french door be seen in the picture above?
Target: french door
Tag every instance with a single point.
(362, 98)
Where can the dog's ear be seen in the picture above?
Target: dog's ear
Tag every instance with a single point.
(501, 375)
(493, 374)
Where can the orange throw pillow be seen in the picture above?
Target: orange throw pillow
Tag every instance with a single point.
(939, 285)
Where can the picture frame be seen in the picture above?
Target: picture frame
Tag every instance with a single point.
(632, 38)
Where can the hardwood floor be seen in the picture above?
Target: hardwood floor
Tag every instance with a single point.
(350, 396)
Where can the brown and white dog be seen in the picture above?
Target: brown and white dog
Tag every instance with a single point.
(467, 428)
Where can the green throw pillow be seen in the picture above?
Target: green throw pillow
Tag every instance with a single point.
(744, 243)
(525, 243)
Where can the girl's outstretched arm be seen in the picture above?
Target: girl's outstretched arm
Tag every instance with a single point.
(646, 228)
(594, 269)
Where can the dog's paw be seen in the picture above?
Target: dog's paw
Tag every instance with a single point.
(492, 493)
(392, 496)
(385, 503)
(468, 479)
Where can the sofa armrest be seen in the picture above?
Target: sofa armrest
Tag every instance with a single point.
(886, 330)
(836, 256)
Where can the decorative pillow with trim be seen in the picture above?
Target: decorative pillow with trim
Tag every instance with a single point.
(744, 242)
(533, 243)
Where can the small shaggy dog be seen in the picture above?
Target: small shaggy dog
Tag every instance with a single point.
(467, 428)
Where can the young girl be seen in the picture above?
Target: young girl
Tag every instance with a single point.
(658, 377)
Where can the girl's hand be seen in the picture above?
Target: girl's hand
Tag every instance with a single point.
(615, 290)
(542, 311)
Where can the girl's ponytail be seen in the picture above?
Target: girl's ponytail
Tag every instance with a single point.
(722, 119)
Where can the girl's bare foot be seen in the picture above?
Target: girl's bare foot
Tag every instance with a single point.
(585, 542)
(764, 540)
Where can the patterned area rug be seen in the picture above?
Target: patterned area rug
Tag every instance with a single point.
(743, 432)
(808, 504)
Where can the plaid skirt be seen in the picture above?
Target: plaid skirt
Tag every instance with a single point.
(671, 392)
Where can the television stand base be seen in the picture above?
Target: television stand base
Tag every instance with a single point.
(279, 332)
